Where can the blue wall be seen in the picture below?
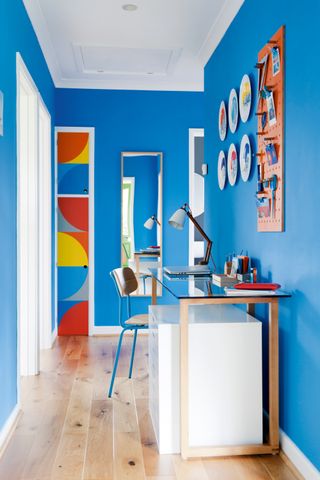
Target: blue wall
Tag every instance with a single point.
(290, 258)
(132, 121)
(16, 34)
(145, 171)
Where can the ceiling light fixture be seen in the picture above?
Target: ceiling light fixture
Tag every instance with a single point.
(130, 7)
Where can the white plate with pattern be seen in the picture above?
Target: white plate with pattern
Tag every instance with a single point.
(232, 164)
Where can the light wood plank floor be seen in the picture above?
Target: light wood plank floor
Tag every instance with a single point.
(70, 430)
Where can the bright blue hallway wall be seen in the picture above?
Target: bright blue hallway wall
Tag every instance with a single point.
(145, 171)
(132, 121)
(16, 34)
(290, 258)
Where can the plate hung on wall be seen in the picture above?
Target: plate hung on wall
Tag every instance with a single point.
(245, 97)
(245, 158)
(232, 164)
(233, 110)
(222, 170)
(222, 121)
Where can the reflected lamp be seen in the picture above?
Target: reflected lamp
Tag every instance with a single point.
(150, 222)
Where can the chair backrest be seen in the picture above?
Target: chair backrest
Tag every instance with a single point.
(125, 280)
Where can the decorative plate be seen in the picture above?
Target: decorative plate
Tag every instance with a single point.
(233, 110)
(222, 121)
(222, 170)
(245, 98)
(245, 158)
(232, 164)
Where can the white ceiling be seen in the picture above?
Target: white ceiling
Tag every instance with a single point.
(163, 45)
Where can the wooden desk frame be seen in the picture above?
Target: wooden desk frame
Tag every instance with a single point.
(272, 446)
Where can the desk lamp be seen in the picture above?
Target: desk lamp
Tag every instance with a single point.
(150, 222)
(178, 220)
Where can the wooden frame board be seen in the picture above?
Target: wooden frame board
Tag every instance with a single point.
(272, 445)
(272, 134)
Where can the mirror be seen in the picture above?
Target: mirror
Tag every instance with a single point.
(141, 215)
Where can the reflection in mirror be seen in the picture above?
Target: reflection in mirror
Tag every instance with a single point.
(141, 226)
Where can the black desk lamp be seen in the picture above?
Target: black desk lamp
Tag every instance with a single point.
(178, 220)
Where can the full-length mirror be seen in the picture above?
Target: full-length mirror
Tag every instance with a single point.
(141, 211)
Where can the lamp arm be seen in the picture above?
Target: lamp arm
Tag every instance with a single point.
(156, 220)
(206, 259)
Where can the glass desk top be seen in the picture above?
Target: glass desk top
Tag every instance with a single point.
(196, 286)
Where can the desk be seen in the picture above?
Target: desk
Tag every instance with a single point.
(201, 291)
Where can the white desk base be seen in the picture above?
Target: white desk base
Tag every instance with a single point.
(225, 377)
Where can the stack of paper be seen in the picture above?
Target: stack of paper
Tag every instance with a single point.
(248, 293)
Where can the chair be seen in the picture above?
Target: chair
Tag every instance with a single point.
(126, 283)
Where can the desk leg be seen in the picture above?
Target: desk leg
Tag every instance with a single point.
(154, 284)
(274, 375)
(251, 309)
(184, 396)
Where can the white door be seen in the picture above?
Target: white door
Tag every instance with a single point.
(33, 223)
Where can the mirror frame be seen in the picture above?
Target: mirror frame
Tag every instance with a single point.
(140, 154)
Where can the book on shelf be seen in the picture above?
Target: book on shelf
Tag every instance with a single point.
(222, 280)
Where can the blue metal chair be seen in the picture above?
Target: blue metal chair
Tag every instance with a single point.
(126, 283)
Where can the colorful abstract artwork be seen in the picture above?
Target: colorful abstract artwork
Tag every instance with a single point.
(73, 163)
(73, 233)
(73, 179)
(73, 147)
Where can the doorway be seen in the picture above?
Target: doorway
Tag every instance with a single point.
(33, 222)
(128, 244)
(196, 192)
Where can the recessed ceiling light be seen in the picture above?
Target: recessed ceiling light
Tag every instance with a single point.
(130, 7)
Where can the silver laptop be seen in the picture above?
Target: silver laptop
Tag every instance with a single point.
(188, 270)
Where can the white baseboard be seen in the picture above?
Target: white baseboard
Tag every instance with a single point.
(299, 460)
(8, 428)
(54, 336)
(295, 456)
(113, 330)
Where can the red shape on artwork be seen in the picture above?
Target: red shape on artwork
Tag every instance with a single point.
(75, 211)
(70, 145)
(82, 238)
(75, 320)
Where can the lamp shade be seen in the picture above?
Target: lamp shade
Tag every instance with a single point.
(149, 223)
(178, 219)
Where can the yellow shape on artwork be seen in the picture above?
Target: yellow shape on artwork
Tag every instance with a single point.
(70, 252)
(73, 147)
(83, 157)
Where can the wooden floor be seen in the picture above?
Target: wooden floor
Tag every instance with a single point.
(70, 430)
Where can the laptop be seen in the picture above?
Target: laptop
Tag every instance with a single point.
(188, 270)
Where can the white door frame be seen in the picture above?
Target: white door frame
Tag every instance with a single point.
(29, 238)
(45, 228)
(193, 134)
(91, 132)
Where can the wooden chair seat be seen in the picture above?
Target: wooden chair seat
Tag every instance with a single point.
(141, 319)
